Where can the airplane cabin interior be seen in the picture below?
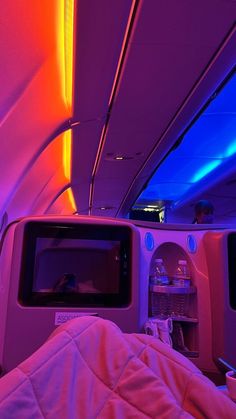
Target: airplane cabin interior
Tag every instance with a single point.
(116, 118)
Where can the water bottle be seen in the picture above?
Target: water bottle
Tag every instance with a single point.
(159, 300)
(181, 280)
(158, 274)
(182, 275)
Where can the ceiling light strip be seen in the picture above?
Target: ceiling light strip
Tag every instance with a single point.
(66, 189)
(67, 140)
(68, 48)
(129, 26)
(68, 34)
(72, 199)
(65, 29)
(67, 154)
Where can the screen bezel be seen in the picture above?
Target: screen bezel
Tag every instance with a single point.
(33, 230)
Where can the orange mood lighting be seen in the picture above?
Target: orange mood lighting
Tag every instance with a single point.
(71, 198)
(67, 164)
(65, 20)
(67, 154)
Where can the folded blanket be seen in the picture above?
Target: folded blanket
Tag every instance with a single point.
(89, 369)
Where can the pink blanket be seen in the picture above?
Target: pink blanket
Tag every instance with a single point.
(89, 369)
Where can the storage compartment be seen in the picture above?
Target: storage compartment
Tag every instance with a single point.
(184, 338)
(175, 297)
(169, 300)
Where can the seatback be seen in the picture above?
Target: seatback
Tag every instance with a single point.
(30, 313)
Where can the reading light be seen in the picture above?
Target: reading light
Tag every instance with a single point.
(119, 157)
(105, 208)
(113, 156)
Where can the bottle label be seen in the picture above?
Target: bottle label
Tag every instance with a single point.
(181, 282)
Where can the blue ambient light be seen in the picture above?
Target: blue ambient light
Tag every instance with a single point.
(209, 144)
(231, 150)
(149, 241)
(191, 243)
(205, 170)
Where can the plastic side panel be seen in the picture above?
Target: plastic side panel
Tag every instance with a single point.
(171, 245)
(223, 317)
(5, 273)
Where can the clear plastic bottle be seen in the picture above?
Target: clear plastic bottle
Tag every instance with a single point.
(182, 275)
(182, 280)
(159, 300)
(158, 274)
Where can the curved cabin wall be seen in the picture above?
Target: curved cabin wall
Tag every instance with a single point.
(41, 183)
(63, 204)
(32, 105)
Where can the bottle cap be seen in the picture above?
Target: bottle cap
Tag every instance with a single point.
(182, 262)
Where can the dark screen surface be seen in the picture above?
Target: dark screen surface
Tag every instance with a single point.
(232, 269)
(79, 265)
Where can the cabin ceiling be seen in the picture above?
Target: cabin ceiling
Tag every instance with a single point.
(169, 47)
(142, 70)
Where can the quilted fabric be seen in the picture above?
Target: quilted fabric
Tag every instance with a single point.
(89, 369)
